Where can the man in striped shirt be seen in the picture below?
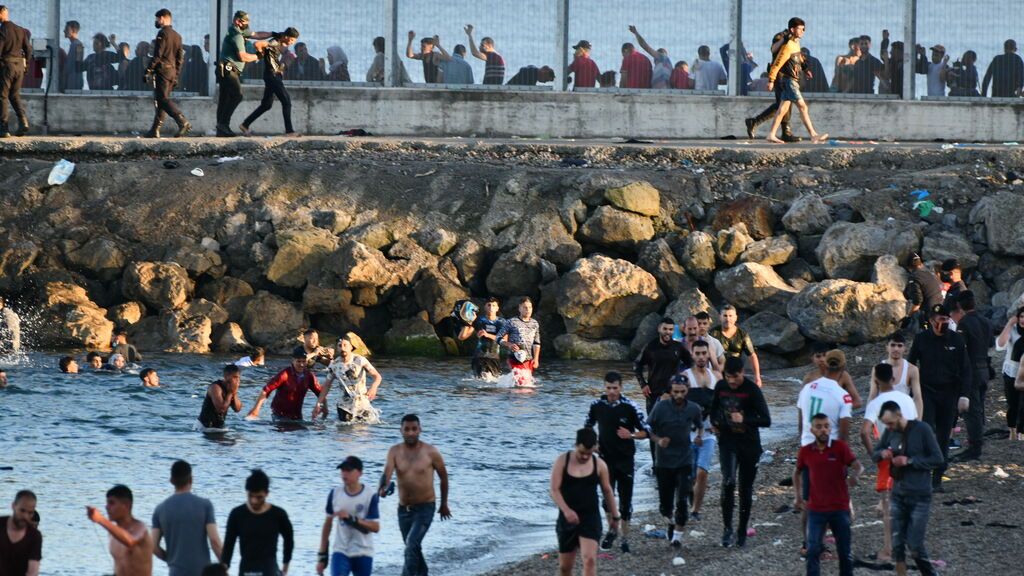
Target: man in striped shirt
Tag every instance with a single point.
(494, 71)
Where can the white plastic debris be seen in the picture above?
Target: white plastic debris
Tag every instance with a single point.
(648, 527)
(224, 159)
(678, 561)
(60, 173)
(198, 172)
(1000, 473)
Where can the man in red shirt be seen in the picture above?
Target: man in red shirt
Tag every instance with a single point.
(291, 384)
(832, 466)
(636, 68)
(584, 69)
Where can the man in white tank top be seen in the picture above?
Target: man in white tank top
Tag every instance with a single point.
(905, 375)
(702, 379)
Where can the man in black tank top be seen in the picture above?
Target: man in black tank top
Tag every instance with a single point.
(220, 396)
(431, 58)
(575, 477)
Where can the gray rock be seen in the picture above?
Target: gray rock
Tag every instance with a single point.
(334, 221)
(126, 314)
(943, 244)
(754, 287)
(639, 197)
(808, 214)
(515, 273)
(753, 212)
(437, 292)
(797, 270)
(299, 252)
(847, 312)
(573, 347)
(601, 297)
(615, 228)
(196, 259)
(656, 257)
(887, 271)
(229, 293)
(469, 258)
(357, 266)
(645, 332)
(187, 333)
(774, 333)
(273, 322)
(1003, 218)
(731, 242)
(160, 285)
(770, 251)
(437, 241)
(99, 257)
(69, 319)
(545, 236)
(319, 299)
(206, 309)
(413, 337)
(697, 255)
(15, 259)
(849, 250)
(229, 338)
(689, 303)
(1006, 278)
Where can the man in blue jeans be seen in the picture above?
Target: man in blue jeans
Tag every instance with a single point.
(830, 465)
(415, 462)
(913, 452)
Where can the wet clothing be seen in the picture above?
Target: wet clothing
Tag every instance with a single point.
(258, 535)
(524, 333)
(319, 355)
(131, 355)
(364, 505)
(919, 444)
(736, 346)
(823, 396)
(580, 495)
(15, 556)
(486, 347)
(209, 416)
(609, 417)
(291, 392)
(675, 422)
(182, 520)
(413, 522)
(748, 400)
(662, 362)
(839, 522)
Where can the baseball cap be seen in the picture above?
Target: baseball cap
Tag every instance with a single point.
(950, 264)
(351, 463)
(582, 44)
(241, 15)
(939, 310)
(835, 359)
(939, 47)
(299, 352)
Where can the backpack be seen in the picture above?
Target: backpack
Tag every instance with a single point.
(465, 311)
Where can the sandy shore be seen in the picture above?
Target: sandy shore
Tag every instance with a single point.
(959, 533)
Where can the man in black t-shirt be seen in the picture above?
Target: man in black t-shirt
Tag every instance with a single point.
(531, 76)
(21, 544)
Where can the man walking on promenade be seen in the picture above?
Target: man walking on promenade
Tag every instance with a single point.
(787, 69)
(234, 55)
(829, 465)
(15, 52)
(163, 72)
(186, 522)
(415, 462)
(620, 422)
(914, 456)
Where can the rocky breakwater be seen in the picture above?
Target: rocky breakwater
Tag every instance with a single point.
(383, 242)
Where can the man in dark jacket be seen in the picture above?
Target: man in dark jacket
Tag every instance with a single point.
(978, 335)
(1005, 73)
(662, 358)
(15, 51)
(163, 70)
(923, 291)
(946, 381)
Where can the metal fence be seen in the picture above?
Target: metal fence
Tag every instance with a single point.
(534, 42)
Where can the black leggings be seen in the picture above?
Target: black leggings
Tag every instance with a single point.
(1014, 404)
(674, 493)
(736, 461)
(273, 86)
(940, 412)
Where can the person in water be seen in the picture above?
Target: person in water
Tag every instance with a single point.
(257, 358)
(291, 385)
(10, 329)
(521, 335)
(115, 363)
(221, 396)
(350, 370)
(94, 360)
(68, 365)
(487, 356)
(313, 351)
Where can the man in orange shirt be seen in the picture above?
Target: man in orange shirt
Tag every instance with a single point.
(788, 64)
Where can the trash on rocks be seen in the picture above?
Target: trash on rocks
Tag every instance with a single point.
(1000, 473)
(198, 172)
(924, 207)
(649, 527)
(948, 146)
(921, 194)
(656, 533)
(223, 159)
(678, 561)
(60, 173)
(696, 534)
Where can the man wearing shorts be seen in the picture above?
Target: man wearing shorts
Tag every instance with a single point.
(788, 69)
(620, 422)
(575, 477)
(702, 381)
(882, 378)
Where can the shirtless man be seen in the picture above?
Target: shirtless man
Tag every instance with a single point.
(702, 378)
(415, 463)
(130, 542)
(906, 377)
(818, 351)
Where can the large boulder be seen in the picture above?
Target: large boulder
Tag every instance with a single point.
(1003, 217)
(188, 333)
(639, 197)
(848, 250)
(543, 235)
(319, 299)
(206, 309)
(754, 286)
(229, 338)
(807, 214)
(197, 259)
(615, 228)
(573, 347)
(227, 292)
(774, 333)
(99, 257)
(942, 244)
(848, 312)
(515, 273)
(755, 213)
(69, 319)
(888, 272)
(697, 255)
(437, 291)
(689, 303)
(437, 241)
(299, 252)
(601, 297)
(770, 251)
(413, 337)
(334, 221)
(469, 258)
(160, 285)
(15, 258)
(645, 332)
(731, 242)
(273, 322)
(126, 314)
(656, 257)
(358, 265)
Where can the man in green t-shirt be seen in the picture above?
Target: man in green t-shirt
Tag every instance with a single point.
(234, 54)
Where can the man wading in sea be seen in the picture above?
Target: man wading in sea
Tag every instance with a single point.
(291, 385)
(220, 396)
(415, 463)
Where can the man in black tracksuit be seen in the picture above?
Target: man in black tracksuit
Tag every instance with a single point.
(662, 357)
(15, 50)
(168, 58)
(946, 381)
(978, 336)
(619, 421)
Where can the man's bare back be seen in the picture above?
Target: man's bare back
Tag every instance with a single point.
(137, 560)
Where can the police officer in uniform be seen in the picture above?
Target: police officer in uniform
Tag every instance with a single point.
(163, 71)
(946, 379)
(15, 50)
(233, 57)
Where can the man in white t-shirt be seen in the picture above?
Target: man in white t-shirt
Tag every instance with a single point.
(883, 379)
(350, 371)
(710, 74)
(353, 510)
(824, 396)
(703, 327)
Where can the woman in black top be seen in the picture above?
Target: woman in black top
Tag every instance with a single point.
(273, 79)
(258, 524)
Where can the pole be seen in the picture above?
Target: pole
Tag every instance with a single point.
(392, 77)
(561, 59)
(909, 48)
(735, 48)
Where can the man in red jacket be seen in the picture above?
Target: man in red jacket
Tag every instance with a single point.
(291, 385)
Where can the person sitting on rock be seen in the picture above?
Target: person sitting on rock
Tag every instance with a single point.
(122, 347)
(115, 363)
(315, 353)
(254, 359)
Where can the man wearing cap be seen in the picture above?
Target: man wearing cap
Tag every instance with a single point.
(234, 55)
(585, 71)
(952, 276)
(353, 510)
(978, 334)
(824, 396)
(946, 381)
(923, 291)
(936, 69)
(291, 385)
